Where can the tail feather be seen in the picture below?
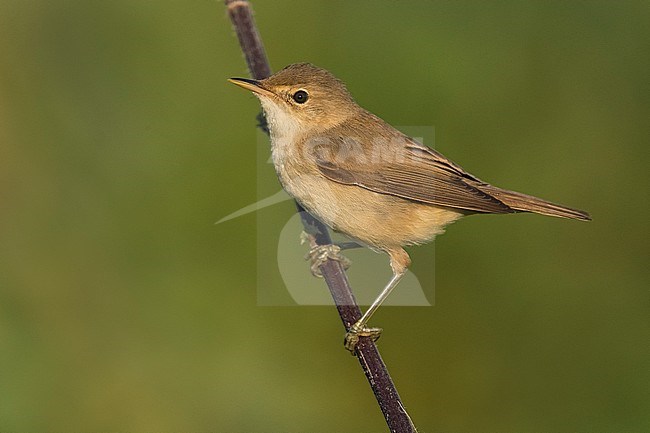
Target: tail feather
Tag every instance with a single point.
(528, 203)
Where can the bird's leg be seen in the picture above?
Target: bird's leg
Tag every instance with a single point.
(348, 245)
(399, 262)
(359, 329)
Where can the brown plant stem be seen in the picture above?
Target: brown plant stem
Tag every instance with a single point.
(373, 366)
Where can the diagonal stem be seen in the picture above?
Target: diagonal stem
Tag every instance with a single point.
(373, 366)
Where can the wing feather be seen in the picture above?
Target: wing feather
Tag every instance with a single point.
(419, 174)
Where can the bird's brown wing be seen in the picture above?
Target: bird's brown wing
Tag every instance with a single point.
(406, 169)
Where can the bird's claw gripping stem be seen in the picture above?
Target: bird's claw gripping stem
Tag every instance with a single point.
(359, 330)
(319, 254)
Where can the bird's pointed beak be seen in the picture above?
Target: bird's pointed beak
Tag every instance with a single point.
(252, 85)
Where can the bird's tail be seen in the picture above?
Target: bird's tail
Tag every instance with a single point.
(527, 203)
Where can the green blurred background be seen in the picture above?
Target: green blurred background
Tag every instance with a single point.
(124, 308)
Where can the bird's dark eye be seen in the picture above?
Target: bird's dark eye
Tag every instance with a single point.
(300, 96)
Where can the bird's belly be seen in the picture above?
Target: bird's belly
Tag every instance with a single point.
(378, 220)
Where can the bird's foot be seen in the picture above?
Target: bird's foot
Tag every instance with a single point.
(355, 332)
(319, 254)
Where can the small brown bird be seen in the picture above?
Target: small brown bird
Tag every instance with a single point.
(364, 178)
